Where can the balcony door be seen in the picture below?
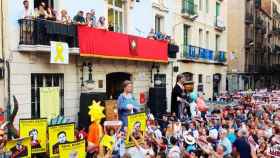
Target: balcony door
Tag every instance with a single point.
(116, 15)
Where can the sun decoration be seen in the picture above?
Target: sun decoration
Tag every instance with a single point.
(96, 111)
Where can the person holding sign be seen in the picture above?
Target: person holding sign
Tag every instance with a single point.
(19, 150)
(127, 104)
(61, 139)
(35, 142)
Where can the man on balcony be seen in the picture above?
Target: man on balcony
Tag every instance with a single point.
(27, 12)
(79, 18)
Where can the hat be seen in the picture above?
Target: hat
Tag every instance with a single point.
(188, 138)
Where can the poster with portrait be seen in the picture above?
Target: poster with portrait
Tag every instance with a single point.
(73, 150)
(37, 130)
(19, 147)
(60, 134)
(136, 128)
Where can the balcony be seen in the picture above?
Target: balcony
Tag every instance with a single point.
(219, 24)
(249, 19)
(189, 9)
(276, 49)
(35, 35)
(276, 30)
(221, 57)
(202, 55)
(260, 24)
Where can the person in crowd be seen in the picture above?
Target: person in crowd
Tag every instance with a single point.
(127, 104)
(89, 21)
(175, 151)
(176, 96)
(151, 34)
(51, 14)
(111, 27)
(241, 147)
(41, 12)
(93, 18)
(79, 18)
(224, 141)
(63, 17)
(27, 12)
(101, 23)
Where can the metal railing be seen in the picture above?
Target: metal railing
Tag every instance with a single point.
(221, 56)
(41, 32)
(188, 7)
(196, 53)
(219, 24)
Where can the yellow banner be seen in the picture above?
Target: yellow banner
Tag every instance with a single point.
(136, 128)
(60, 134)
(19, 148)
(73, 150)
(49, 102)
(37, 130)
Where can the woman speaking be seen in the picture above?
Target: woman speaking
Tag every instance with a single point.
(127, 104)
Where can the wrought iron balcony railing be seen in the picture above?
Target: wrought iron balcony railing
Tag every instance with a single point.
(41, 32)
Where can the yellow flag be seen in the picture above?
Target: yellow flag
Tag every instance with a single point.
(49, 102)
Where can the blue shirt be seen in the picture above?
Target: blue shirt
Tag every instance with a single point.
(123, 111)
(227, 144)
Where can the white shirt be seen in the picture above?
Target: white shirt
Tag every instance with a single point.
(27, 13)
(174, 152)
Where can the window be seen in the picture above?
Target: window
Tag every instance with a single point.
(200, 78)
(45, 80)
(115, 14)
(200, 38)
(158, 23)
(200, 5)
(218, 9)
(186, 34)
(217, 47)
(207, 6)
(207, 40)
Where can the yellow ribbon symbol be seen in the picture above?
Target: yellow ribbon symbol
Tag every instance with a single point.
(59, 52)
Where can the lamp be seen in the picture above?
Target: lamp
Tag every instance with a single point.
(90, 81)
(157, 80)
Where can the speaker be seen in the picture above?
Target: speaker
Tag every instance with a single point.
(85, 101)
(157, 101)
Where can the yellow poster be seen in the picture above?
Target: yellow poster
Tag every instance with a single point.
(136, 128)
(19, 148)
(49, 102)
(73, 150)
(60, 134)
(37, 130)
(108, 141)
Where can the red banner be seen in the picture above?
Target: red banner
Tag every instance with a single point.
(105, 44)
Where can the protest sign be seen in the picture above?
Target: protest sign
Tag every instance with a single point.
(60, 134)
(37, 130)
(73, 150)
(19, 147)
(274, 151)
(136, 128)
(108, 141)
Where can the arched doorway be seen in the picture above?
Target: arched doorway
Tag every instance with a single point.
(216, 85)
(114, 83)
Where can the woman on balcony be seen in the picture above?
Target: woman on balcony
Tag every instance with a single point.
(41, 12)
(64, 18)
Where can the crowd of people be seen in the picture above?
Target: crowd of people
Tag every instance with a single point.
(249, 129)
(46, 12)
